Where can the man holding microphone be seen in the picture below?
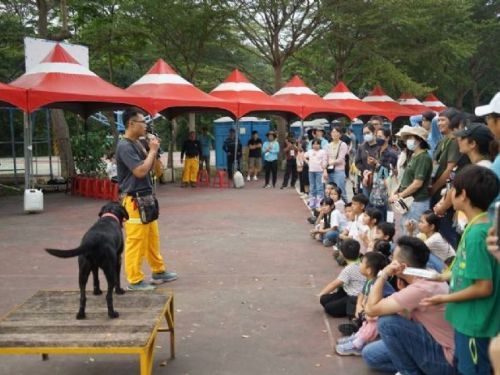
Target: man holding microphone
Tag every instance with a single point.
(134, 164)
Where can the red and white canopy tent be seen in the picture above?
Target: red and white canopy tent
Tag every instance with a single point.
(60, 82)
(412, 103)
(434, 103)
(344, 101)
(296, 92)
(248, 98)
(13, 97)
(391, 108)
(172, 95)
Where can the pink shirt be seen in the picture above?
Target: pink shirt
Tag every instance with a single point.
(316, 160)
(336, 153)
(431, 317)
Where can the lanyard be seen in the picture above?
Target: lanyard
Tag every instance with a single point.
(462, 240)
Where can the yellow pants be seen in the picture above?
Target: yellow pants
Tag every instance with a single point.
(190, 172)
(142, 240)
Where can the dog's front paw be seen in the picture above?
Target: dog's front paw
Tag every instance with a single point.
(120, 291)
(97, 292)
(81, 315)
(113, 314)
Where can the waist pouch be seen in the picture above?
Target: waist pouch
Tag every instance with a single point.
(148, 208)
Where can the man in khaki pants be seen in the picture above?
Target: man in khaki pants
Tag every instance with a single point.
(134, 164)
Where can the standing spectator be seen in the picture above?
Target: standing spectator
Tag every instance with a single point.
(271, 149)
(417, 175)
(316, 159)
(446, 157)
(134, 165)
(229, 148)
(206, 140)
(303, 171)
(472, 306)
(192, 149)
(366, 158)
(377, 122)
(111, 169)
(336, 153)
(254, 156)
(430, 123)
(414, 339)
(290, 152)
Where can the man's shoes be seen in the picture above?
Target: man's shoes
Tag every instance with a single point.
(163, 277)
(193, 184)
(184, 184)
(141, 286)
(311, 220)
(248, 178)
(255, 178)
(347, 349)
(267, 186)
(282, 187)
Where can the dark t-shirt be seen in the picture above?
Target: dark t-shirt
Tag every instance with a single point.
(129, 157)
(257, 152)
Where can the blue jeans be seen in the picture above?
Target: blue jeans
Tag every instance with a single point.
(411, 348)
(435, 263)
(316, 191)
(330, 238)
(416, 210)
(465, 362)
(338, 178)
(376, 356)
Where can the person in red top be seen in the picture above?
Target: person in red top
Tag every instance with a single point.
(415, 339)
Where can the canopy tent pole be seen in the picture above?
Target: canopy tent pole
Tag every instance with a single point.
(235, 161)
(28, 148)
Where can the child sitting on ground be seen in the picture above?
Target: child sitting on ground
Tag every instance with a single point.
(386, 231)
(316, 211)
(339, 297)
(371, 218)
(429, 227)
(336, 195)
(474, 299)
(322, 224)
(383, 247)
(372, 263)
(338, 222)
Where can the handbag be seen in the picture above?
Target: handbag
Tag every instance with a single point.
(149, 209)
(379, 195)
(402, 205)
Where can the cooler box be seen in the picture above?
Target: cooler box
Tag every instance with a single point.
(33, 200)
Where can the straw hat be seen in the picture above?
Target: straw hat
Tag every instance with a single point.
(416, 131)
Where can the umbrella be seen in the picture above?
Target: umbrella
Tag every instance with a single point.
(171, 94)
(389, 106)
(349, 104)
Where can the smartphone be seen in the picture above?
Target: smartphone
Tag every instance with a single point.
(419, 272)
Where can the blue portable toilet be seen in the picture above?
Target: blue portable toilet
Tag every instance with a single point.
(357, 129)
(246, 125)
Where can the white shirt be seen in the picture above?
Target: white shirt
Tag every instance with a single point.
(439, 247)
(337, 220)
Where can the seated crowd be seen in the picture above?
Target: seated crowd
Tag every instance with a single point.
(420, 277)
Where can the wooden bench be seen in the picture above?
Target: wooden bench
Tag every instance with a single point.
(46, 324)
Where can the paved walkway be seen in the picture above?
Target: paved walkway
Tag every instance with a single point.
(246, 298)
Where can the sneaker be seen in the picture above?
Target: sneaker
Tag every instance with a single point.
(347, 349)
(248, 178)
(267, 186)
(141, 286)
(347, 339)
(163, 277)
(255, 178)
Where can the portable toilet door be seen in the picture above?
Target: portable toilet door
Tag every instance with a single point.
(221, 132)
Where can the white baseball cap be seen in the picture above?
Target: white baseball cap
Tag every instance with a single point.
(493, 107)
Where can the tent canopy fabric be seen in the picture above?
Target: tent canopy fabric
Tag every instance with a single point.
(344, 101)
(248, 98)
(391, 108)
(13, 97)
(59, 81)
(412, 103)
(296, 92)
(171, 94)
(434, 103)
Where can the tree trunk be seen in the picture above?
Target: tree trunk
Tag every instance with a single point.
(61, 135)
(192, 122)
(173, 136)
(282, 125)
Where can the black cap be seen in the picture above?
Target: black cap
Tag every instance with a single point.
(475, 131)
(428, 115)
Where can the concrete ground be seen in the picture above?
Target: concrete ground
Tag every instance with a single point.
(246, 298)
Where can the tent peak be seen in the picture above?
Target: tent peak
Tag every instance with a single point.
(161, 67)
(236, 76)
(59, 55)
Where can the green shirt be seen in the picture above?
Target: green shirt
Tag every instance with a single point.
(477, 317)
(446, 152)
(419, 168)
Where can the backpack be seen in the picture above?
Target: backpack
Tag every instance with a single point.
(379, 194)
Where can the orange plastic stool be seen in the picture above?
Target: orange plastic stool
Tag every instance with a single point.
(220, 179)
(203, 178)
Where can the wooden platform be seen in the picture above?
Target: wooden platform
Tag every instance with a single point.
(46, 324)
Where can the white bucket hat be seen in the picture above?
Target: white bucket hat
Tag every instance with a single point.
(493, 107)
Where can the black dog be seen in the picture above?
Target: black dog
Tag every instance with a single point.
(101, 247)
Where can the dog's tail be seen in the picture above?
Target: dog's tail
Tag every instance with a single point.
(67, 253)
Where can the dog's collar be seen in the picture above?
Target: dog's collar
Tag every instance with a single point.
(109, 214)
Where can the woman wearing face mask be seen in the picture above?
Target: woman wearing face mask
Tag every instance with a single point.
(417, 175)
(366, 157)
